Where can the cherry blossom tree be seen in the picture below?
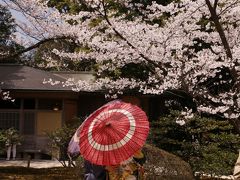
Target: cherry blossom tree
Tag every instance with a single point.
(191, 45)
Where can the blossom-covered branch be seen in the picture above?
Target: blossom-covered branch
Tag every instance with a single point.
(188, 45)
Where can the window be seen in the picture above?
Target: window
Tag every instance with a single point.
(29, 104)
(19, 115)
(9, 119)
(7, 104)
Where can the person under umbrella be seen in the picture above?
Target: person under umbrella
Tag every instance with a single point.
(113, 134)
(92, 171)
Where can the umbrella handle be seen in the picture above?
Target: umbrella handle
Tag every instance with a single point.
(108, 124)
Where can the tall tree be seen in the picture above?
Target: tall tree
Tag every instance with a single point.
(185, 44)
(7, 45)
(7, 28)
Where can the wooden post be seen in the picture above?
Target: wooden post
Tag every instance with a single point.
(28, 160)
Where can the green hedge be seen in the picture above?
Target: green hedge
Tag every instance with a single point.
(208, 145)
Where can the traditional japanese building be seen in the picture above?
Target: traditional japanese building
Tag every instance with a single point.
(37, 107)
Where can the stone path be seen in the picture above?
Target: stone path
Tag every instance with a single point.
(33, 163)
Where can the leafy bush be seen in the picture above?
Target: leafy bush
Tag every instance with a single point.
(2, 142)
(8, 137)
(208, 145)
(12, 136)
(59, 140)
(164, 165)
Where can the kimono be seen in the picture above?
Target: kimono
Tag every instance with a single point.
(94, 172)
(131, 169)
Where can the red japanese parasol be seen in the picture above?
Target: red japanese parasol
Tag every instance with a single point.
(113, 133)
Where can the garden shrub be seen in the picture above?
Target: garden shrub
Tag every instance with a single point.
(59, 140)
(2, 142)
(8, 137)
(12, 136)
(164, 165)
(209, 145)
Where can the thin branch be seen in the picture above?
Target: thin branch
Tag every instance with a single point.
(160, 66)
(219, 29)
(17, 53)
(215, 5)
(22, 32)
(228, 7)
(25, 13)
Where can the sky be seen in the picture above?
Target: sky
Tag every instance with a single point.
(19, 17)
(15, 14)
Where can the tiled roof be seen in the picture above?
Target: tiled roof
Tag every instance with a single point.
(78, 75)
(21, 77)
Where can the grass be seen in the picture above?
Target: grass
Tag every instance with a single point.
(23, 173)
